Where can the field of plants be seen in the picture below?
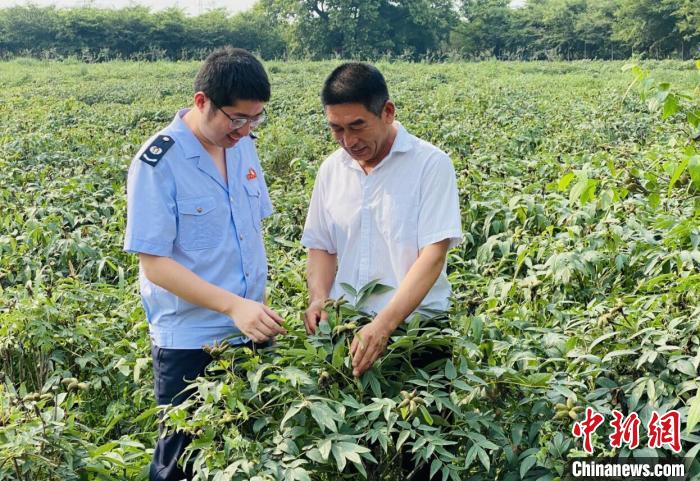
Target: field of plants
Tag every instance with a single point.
(577, 284)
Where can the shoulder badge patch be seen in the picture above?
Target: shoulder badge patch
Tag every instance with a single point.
(157, 149)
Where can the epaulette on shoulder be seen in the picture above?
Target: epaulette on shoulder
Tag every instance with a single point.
(157, 149)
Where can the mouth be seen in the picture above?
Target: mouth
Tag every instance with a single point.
(358, 152)
(232, 138)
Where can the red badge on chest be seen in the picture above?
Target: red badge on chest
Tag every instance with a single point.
(251, 174)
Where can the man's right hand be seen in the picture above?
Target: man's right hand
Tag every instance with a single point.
(313, 315)
(255, 320)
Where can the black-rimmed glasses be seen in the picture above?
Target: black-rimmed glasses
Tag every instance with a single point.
(238, 122)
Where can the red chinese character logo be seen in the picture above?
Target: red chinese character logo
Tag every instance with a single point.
(625, 430)
(665, 429)
(587, 427)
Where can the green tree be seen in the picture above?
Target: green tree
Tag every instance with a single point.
(594, 27)
(649, 26)
(485, 28)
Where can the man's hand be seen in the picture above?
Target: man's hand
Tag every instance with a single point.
(369, 343)
(313, 315)
(255, 320)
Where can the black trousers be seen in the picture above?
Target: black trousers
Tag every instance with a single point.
(172, 369)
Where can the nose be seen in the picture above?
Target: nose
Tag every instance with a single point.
(349, 140)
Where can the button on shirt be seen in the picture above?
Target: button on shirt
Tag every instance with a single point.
(182, 208)
(377, 223)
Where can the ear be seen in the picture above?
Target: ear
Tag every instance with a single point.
(200, 100)
(389, 112)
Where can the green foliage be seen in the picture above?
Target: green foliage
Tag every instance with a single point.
(577, 284)
(364, 29)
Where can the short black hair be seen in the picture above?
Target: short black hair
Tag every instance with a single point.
(356, 82)
(232, 74)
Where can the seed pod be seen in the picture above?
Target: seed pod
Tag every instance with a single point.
(559, 406)
(413, 393)
(68, 381)
(46, 397)
(404, 394)
(412, 407)
(419, 400)
(570, 402)
(73, 386)
(403, 403)
(573, 415)
(83, 386)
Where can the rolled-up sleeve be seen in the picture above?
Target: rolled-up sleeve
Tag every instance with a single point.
(151, 219)
(439, 216)
(316, 232)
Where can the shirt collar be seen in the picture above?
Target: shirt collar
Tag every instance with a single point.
(189, 143)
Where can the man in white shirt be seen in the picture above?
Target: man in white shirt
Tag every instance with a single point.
(384, 206)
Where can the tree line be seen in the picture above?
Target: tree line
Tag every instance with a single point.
(369, 29)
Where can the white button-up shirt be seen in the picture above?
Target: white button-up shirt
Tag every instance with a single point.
(377, 223)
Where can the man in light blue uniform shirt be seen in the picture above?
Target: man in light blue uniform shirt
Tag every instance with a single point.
(196, 199)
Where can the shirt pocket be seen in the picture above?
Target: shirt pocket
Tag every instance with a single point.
(253, 191)
(399, 217)
(199, 226)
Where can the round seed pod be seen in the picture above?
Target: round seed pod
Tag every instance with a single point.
(68, 381)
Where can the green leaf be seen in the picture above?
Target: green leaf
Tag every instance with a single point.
(349, 289)
(324, 448)
(339, 351)
(621, 352)
(403, 436)
(693, 413)
(435, 467)
(670, 106)
(315, 456)
(291, 413)
(296, 474)
(526, 465)
(426, 415)
(484, 458)
(677, 172)
(565, 181)
(686, 367)
(694, 170)
(324, 416)
(343, 451)
(601, 339)
(371, 378)
(339, 457)
(450, 371)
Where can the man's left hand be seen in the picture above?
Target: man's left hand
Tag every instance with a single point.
(369, 343)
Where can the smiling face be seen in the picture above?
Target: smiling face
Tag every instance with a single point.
(366, 137)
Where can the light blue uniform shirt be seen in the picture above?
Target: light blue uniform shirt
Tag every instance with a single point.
(182, 208)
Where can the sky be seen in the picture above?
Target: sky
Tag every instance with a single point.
(192, 7)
